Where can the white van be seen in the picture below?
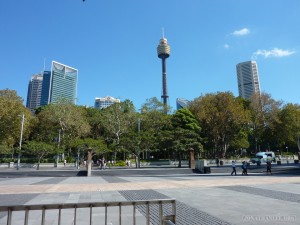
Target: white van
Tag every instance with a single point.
(263, 157)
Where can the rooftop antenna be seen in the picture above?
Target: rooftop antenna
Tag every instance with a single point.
(44, 64)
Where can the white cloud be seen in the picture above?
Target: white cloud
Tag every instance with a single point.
(226, 46)
(275, 52)
(241, 32)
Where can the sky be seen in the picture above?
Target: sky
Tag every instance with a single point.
(113, 45)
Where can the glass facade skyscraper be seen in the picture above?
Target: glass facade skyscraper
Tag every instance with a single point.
(60, 83)
(248, 81)
(34, 92)
(45, 88)
(181, 103)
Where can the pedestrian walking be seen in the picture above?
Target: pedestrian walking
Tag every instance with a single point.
(65, 162)
(100, 164)
(269, 167)
(244, 167)
(233, 168)
(217, 162)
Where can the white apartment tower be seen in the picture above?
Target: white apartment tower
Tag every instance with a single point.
(101, 103)
(248, 81)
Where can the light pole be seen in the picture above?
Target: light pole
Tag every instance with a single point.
(58, 146)
(20, 145)
(287, 149)
(77, 164)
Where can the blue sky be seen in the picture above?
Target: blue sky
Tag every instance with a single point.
(113, 45)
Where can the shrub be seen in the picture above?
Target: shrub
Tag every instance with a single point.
(119, 163)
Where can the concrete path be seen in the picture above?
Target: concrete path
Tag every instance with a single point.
(216, 198)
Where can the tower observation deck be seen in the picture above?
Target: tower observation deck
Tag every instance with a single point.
(163, 52)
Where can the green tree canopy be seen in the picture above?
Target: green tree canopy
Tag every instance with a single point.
(68, 118)
(222, 117)
(288, 127)
(264, 117)
(11, 111)
(39, 149)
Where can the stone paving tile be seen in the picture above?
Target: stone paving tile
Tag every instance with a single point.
(22, 181)
(54, 180)
(113, 179)
(78, 189)
(186, 215)
(280, 195)
(16, 199)
(98, 185)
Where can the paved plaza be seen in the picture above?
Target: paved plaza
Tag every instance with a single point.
(215, 198)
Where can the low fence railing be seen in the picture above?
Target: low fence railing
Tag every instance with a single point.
(162, 219)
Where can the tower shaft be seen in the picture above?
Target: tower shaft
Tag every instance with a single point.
(164, 82)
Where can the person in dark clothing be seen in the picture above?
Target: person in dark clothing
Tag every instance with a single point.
(217, 162)
(269, 167)
(244, 167)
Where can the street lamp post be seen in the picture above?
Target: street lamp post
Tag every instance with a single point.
(20, 145)
(58, 146)
(78, 157)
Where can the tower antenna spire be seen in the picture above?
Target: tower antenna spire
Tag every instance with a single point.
(44, 64)
(163, 32)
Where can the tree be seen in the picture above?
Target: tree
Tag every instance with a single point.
(186, 132)
(61, 123)
(288, 127)
(156, 125)
(222, 117)
(154, 105)
(62, 117)
(264, 116)
(95, 119)
(11, 109)
(117, 120)
(39, 149)
(82, 147)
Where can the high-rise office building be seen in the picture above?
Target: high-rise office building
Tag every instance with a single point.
(59, 83)
(248, 81)
(181, 103)
(45, 88)
(101, 103)
(34, 92)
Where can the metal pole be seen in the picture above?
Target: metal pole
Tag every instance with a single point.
(105, 214)
(120, 214)
(20, 145)
(43, 216)
(58, 146)
(9, 216)
(78, 158)
(26, 217)
(148, 213)
(134, 214)
(91, 214)
(160, 213)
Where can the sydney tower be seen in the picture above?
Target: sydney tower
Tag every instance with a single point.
(163, 52)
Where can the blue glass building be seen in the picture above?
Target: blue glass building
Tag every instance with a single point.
(59, 84)
(45, 88)
(34, 92)
(181, 103)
